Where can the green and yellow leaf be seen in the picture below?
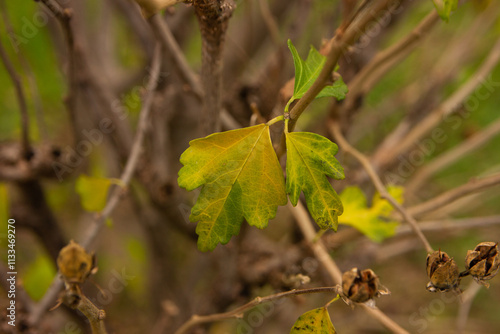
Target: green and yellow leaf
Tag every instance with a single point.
(240, 177)
(93, 191)
(445, 7)
(310, 159)
(306, 72)
(373, 222)
(316, 321)
(38, 276)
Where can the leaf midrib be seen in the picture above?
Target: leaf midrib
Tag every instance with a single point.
(236, 178)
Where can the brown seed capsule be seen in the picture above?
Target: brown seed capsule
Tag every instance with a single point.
(361, 286)
(75, 265)
(483, 262)
(443, 272)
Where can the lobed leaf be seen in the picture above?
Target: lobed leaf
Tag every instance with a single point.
(306, 72)
(316, 321)
(310, 159)
(372, 222)
(240, 177)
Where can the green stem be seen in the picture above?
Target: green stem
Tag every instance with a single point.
(274, 120)
(318, 235)
(332, 301)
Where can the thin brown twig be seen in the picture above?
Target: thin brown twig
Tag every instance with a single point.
(442, 72)
(21, 99)
(175, 54)
(474, 185)
(117, 194)
(465, 305)
(449, 106)
(270, 22)
(306, 226)
(37, 102)
(383, 61)
(94, 315)
(238, 312)
(451, 224)
(335, 130)
(452, 155)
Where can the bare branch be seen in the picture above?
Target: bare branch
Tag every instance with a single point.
(21, 99)
(451, 224)
(464, 307)
(474, 185)
(270, 22)
(94, 315)
(336, 132)
(425, 87)
(238, 312)
(449, 106)
(320, 252)
(452, 155)
(175, 55)
(387, 59)
(213, 17)
(117, 194)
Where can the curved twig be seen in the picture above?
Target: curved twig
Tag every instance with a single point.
(336, 132)
(320, 252)
(449, 196)
(238, 312)
(449, 106)
(16, 80)
(452, 155)
(94, 228)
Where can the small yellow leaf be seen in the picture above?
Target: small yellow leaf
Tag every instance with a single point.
(373, 222)
(93, 191)
(316, 321)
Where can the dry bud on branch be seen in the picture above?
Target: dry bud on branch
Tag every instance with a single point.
(75, 265)
(483, 262)
(361, 286)
(443, 272)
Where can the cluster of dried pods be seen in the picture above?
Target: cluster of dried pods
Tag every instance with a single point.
(482, 263)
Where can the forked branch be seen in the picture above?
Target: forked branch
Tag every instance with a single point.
(334, 128)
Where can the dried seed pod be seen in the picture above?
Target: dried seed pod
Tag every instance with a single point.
(483, 262)
(75, 265)
(443, 272)
(361, 286)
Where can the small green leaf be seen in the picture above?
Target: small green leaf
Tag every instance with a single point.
(306, 72)
(316, 321)
(93, 191)
(38, 276)
(310, 159)
(241, 178)
(372, 222)
(445, 7)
